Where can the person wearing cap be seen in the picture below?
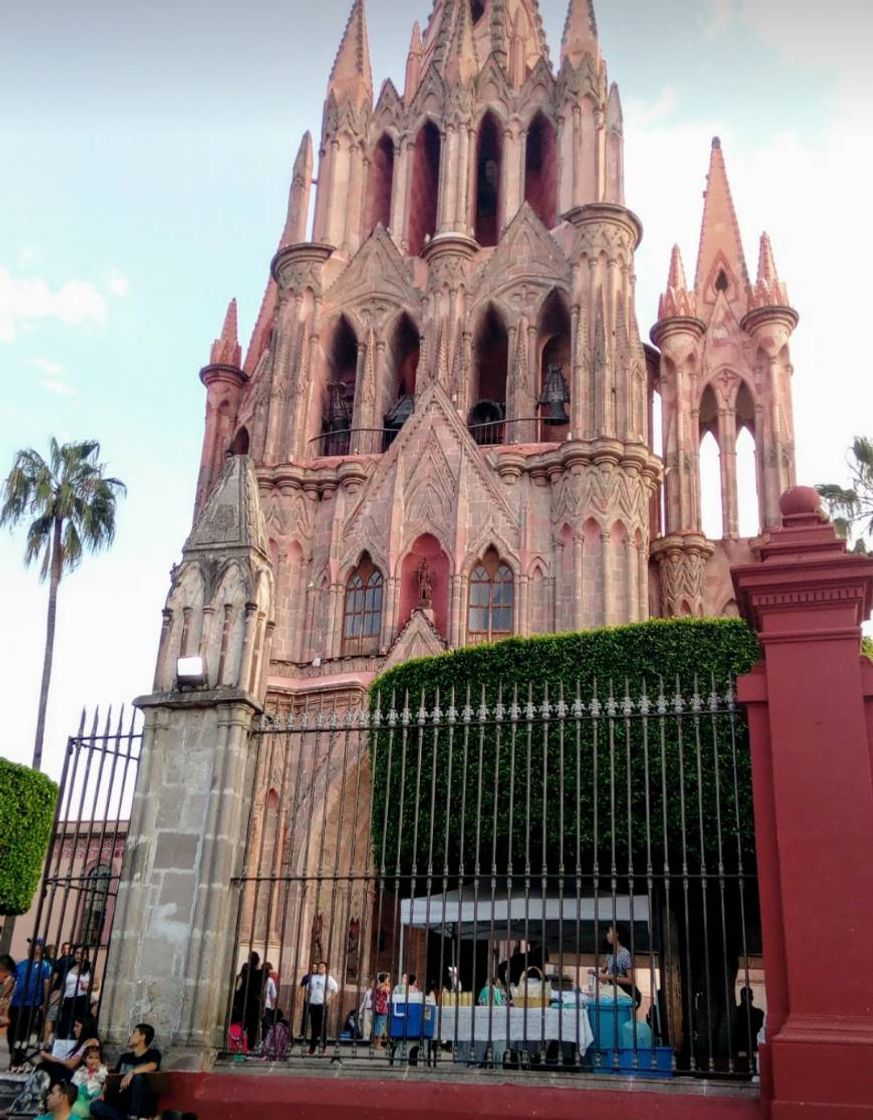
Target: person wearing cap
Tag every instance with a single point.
(32, 980)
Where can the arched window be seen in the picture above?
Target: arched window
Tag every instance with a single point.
(381, 185)
(489, 157)
(362, 622)
(492, 358)
(398, 393)
(342, 372)
(491, 600)
(555, 374)
(425, 188)
(541, 171)
(477, 10)
(94, 906)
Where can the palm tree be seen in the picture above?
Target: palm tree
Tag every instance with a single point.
(71, 506)
(852, 508)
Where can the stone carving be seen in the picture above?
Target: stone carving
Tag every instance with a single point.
(424, 578)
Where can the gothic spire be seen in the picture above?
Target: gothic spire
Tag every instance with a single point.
(500, 32)
(721, 263)
(677, 300)
(769, 290)
(298, 198)
(580, 32)
(462, 63)
(413, 64)
(351, 78)
(226, 350)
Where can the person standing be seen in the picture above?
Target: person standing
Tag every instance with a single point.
(32, 980)
(76, 993)
(619, 968)
(247, 998)
(271, 998)
(322, 989)
(304, 987)
(381, 1000)
(61, 965)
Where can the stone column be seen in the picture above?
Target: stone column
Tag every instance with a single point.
(810, 703)
(578, 576)
(607, 613)
(727, 444)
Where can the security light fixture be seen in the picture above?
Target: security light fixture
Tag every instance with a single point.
(191, 672)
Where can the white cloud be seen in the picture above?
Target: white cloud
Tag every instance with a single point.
(641, 114)
(55, 369)
(24, 300)
(59, 388)
(118, 285)
(721, 16)
(29, 255)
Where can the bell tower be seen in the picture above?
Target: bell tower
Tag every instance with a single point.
(724, 366)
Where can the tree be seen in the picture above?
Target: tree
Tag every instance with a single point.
(852, 508)
(69, 504)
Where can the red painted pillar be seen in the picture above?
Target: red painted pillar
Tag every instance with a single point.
(813, 785)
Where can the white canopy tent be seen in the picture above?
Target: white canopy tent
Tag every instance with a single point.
(511, 918)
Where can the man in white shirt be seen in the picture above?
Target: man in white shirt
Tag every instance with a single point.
(322, 989)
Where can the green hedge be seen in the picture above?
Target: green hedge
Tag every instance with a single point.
(27, 807)
(703, 765)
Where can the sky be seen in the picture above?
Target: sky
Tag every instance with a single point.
(145, 155)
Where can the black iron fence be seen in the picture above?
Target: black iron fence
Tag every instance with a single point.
(517, 880)
(75, 904)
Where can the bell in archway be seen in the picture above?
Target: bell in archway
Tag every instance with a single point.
(554, 396)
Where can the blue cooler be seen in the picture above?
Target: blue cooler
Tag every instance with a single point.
(647, 1063)
(412, 1018)
(608, 1017)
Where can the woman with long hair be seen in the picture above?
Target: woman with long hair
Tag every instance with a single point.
(55, 1066)
(76, 995)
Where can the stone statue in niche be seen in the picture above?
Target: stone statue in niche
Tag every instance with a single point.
(425, 584)
(353, 951)
(317, 953)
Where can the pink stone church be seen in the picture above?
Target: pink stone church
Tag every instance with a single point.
(443, 429)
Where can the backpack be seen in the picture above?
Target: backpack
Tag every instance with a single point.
(237, 1043)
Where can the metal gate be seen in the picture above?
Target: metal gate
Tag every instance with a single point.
(76, 901)
(538, 879)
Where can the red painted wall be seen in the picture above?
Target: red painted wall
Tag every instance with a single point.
(244, 1095)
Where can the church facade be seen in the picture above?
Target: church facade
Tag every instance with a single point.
(447, 399)
(442, 433)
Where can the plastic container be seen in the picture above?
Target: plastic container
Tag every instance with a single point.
(647, 1064)
(412, 1018)
(608, 1017)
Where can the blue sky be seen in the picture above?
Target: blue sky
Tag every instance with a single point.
(146, 150)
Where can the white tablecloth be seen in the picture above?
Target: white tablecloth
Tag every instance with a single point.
(524, 1025)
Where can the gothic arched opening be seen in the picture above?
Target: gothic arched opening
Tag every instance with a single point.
(477, 10)
(711, 490)
(492, 358)
(489, 158)
(490, 600)
(381, 185)
(748, 503)
(399, 396)
(342, 373)
(555, 369)
(541, 170)
(240, 444)
(425, 188)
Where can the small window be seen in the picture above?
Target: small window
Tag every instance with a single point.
(94, 908)
(492, 593)
(721, 281)
(362, 623)
(477, 10)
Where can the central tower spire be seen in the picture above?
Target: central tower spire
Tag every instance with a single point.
(351, 78)
(580, 32)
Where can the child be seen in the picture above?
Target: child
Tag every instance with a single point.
(381, 997)
(89, 1079)
(278, 1040)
